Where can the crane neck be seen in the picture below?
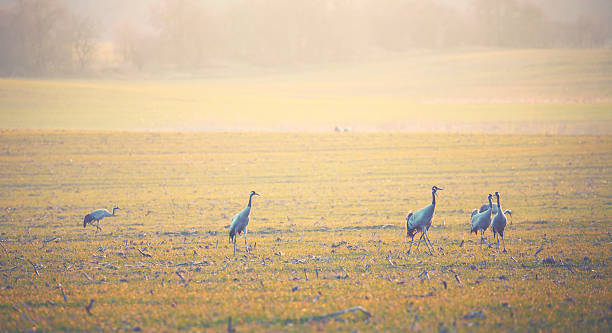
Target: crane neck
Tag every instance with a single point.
(433, 198)
(250, 199)
(114, 209)
(490, 204)
(498, 205)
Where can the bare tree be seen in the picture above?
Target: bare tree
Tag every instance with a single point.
(83, 43)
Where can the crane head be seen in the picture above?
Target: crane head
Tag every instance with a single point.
(254, 193)
(497, 194)
(116, 208)
(435, 188)
(490, 196)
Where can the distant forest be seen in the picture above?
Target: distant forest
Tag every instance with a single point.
(51, 37)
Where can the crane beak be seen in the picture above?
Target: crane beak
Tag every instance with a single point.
(256, 194)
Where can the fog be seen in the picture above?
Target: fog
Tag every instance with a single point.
(113, 37)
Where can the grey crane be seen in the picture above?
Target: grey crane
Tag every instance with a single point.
(486, 206)
(499, 224)
(481, 221)
(240, 222)
(421, 221)
(96, 216)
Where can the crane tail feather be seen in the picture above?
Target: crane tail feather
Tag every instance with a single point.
(88, 218)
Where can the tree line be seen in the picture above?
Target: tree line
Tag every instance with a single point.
(40, 37)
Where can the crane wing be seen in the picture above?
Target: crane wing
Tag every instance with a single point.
(239, 222)
(88, 218)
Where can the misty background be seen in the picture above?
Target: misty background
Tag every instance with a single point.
(113, 37)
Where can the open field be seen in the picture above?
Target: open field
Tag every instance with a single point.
(326, 234)
(498, 91)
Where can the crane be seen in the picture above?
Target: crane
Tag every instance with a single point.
(96, 216)
(486, 206)
(421, 221)
(481, 221)
(499, 224)
(240, 222)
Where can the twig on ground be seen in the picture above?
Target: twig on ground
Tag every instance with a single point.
(45, 241)
(339, 313)
(4, 248)
(538, 251)
(9, 269)
(33, 265)
(144, 254)
(88, 307)
(181, 276)
(59, 285)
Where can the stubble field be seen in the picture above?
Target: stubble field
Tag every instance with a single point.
(327, 233)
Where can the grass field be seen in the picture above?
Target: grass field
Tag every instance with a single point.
(496, 91)
(326, 234)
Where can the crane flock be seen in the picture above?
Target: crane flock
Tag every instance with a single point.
(418, 222)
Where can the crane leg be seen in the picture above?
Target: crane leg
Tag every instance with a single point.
(419, 243)
(411, 242)
(234, 246)
(497, 242)
(504, 242)
(245, 240)
(428, 241)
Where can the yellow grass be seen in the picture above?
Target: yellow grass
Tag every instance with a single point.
(501, 91)
(178, 192)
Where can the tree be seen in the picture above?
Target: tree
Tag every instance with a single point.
(83, 42)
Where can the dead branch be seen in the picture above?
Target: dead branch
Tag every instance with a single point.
(538, 251)
(187, 263)
(88, 307)
(416, 318)
(59, 285)
(339, 313)
(144, 254)
(181, 276)
(45, 241)
(33, 265)
(4, 248)
(9, 269)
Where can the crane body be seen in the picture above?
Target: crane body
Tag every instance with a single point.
(96, 216)
(481, 221)
(421, 221)
(499, 224)
(494, 210)
(240, 222)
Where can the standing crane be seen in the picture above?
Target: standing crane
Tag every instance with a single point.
(499, 224)
(494, 211)
(96, 216)
(421, 221)
(240, 222)
(481, 221)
